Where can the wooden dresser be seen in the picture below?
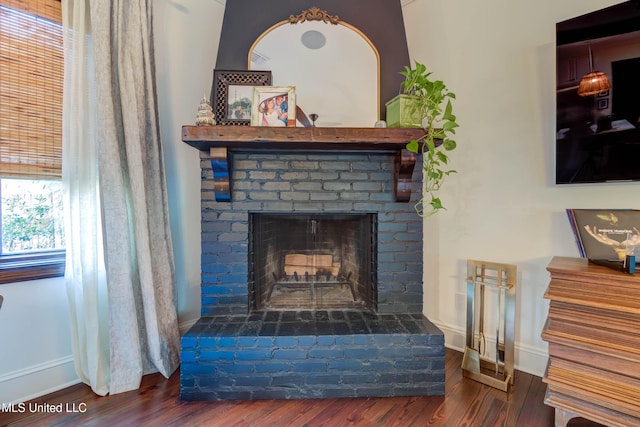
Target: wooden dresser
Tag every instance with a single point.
(593, 331)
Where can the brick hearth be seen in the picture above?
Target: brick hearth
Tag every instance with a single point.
(311, 354)
(232, 353)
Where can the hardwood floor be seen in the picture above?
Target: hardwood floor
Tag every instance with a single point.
(156, 403)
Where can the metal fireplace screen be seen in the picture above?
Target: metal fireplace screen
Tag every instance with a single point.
(312, 261)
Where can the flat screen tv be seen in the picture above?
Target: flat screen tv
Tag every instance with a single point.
(598, 135)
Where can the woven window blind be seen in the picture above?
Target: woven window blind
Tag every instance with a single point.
(31, 82)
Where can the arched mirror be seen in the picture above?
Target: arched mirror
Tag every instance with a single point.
(334, 67)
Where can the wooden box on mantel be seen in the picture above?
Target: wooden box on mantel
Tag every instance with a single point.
(594, 343)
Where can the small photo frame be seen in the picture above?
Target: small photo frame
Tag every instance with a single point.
(606, 234)
(274, 106)
(603, 94)
(603, 103)
(232, 95)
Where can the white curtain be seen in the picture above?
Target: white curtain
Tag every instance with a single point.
(120, 272)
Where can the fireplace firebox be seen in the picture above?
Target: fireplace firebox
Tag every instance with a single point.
(312, 261)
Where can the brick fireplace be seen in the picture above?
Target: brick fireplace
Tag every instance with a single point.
(311, 280)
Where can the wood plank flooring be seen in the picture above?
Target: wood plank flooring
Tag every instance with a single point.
(156, 403)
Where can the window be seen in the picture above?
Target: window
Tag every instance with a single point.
(31, 81)
(31, 216)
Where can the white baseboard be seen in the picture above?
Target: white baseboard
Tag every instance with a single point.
(29, 383)
(529, 359)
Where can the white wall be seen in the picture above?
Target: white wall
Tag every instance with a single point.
(186, 39)
(35, 343)
(498, 56)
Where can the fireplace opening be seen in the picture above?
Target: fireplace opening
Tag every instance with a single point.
(312, 261)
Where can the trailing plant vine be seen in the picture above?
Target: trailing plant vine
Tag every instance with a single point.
(439, 122)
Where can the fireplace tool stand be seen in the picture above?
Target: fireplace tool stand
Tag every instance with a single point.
(486, 279)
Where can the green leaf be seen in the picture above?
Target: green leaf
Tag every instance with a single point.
(449, 126)
(449, 144)
(413, 146)
(436, 203)
(448, 111)
(431, 145)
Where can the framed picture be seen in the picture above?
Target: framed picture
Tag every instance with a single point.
(603, 103)
(274, 106)
(232, 95)
(603, 94)
(606, 234)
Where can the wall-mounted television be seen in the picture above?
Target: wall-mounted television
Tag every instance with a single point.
(598, 135)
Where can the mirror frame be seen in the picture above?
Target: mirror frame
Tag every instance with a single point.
(315, 14)
(244, 21)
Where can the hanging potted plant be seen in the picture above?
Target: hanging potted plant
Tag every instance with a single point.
(433, 107)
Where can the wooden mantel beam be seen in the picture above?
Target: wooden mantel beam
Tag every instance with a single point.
(219, 140)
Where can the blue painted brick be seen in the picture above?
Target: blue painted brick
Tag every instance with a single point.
(361, 353)
(196, 369)
(382, 340)
(240, 300)
(247, 341)
(214, 268)
(326, 340)
(216, 289)
(306, 341)
(286, 342)
(438, 364)
(213, 381)
(216, 355)
(252, 381)
(234, 278)
(344, 339)
(425, 351)
(289, 380)
(367, 206)
(323, 379)
(289, 354)
(363, 339)
(235, 368)
(376, 365)
(210, 301)
(400, 339)
(227, 341)
(207, 342)
(326, 353)
(310, 366)
(188, 341)
(265, 341)
(359, 379)
(345, 365)
(253, 355)
(412, 364)
(186, 382)
(272, 367)
(187, 356)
